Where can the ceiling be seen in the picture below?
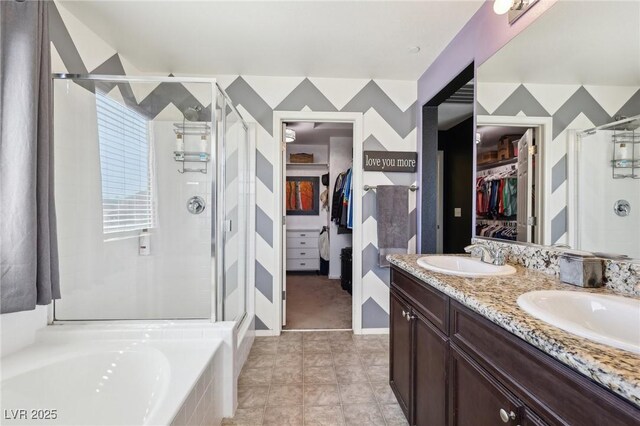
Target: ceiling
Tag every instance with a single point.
(457, 107)
(587, 43)
(309, 133)
(347, 39)
(490, 135)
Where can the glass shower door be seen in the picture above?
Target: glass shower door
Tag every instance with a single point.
(131, 156)
(235, 192)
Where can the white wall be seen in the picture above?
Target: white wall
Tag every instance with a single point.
(341, 149)
(599, 228)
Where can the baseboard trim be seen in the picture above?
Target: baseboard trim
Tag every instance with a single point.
(372, 331)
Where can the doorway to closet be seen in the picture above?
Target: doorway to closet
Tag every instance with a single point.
(318, 234)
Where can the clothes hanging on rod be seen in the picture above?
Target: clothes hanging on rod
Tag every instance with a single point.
(342, 203)
(506, 230)
(497, 194)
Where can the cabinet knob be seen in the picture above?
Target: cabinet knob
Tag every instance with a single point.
(506, 417)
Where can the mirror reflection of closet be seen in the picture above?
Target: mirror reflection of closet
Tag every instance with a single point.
(505, 183)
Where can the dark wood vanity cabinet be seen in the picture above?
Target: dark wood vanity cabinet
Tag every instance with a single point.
(451, 366)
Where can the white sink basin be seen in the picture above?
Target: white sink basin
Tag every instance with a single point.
(612, 320)
(464, 266)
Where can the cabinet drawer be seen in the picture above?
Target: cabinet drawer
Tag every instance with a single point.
(429, 302)
(303, 234)
(303, 264)
(302, 243)
(556, 393)
(303, 253)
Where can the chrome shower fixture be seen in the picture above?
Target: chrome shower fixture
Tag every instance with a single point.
(192, 113)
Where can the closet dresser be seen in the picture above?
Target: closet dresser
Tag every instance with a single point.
(303, 253)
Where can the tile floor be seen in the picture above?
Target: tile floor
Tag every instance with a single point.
(317, 378)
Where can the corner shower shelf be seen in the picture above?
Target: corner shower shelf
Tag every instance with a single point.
(192, 157)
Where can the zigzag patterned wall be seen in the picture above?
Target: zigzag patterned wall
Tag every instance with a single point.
(571, 107)
(389, 111)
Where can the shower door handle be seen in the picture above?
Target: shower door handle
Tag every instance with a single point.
(227, 225)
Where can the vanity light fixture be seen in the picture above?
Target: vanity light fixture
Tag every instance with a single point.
(516, 8)
(289, 135)
(500, 7)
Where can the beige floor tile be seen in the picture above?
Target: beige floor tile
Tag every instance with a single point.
(323, 416)
(363, 414)
(356, 393)
(374, 358)
(383, 393)
(321, 395)
(316, 346)
(254, 376)
(260, 361)
(378, 373)
(291, 359)
(283, 415)
(266, 339)
(339, 346)
(252, 396)
(393, 415)
(285, 374)
(319, 375)
(351, 374)
(291, 336)
(346, 358)
(285, 395)
(269, 347)
(315, 335)
(317, 359)
(340, 336)
(373, 345)
(289, 346)
(246, 417)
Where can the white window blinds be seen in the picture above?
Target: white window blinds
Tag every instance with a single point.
(125, 166)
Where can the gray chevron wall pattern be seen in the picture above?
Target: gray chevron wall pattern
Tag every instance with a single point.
(571, 107)
(389, 112)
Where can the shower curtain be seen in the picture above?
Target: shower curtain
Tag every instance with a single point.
(28, 250)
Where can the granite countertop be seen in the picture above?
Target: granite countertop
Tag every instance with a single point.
(495, 298)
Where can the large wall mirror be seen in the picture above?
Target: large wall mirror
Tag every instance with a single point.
(558, 131)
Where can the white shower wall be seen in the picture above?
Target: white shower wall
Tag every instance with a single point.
(599, 228)
(103, 276)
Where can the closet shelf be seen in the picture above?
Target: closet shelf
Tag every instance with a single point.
(488, 166)
(308, 165)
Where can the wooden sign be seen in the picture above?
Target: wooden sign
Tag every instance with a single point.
(390, 161)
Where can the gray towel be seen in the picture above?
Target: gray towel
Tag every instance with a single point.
(392, 204)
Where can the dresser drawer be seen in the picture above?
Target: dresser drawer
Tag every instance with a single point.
(303, 234)
(302, 243)
(303, 253)
(303, 264)
(431, 303)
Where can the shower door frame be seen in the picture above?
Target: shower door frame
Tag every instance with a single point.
(217, 221)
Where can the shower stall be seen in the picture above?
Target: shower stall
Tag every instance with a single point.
(152, 189)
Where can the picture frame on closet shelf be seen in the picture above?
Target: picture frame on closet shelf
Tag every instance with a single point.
(302, 195)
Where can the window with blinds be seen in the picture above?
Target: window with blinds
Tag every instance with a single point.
(125, 165)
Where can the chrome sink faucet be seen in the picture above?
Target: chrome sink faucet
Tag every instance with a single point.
(486, 255)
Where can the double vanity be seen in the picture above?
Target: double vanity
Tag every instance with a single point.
(474, 343)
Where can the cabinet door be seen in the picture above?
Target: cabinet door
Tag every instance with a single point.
(430, 374)
(400, 351)
(476, 397)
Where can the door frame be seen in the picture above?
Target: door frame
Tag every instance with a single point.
(356, 119)
(544, 127)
